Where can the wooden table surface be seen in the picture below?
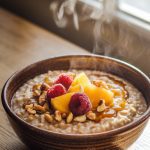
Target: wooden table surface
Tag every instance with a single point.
(22, 43)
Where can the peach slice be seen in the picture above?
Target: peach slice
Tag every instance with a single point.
(96, 94)
(61, 103)
(76, 88)
(81, 79)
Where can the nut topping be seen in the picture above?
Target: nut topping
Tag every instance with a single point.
(31, 111)
(71, 98)
(46, 107)
(30, 118)
(42, 98)
(91, 115)
(36, 93)
(48, 118)
(64, 115)
(80, 118)
(36, 90)
(29, 106)
(48, 81)
(38, 108)
(69, 118)
(101, 106)
(44, 86)
(58, 116)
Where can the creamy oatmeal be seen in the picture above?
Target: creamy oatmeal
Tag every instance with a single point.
(78, 101)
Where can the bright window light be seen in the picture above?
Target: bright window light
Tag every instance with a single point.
(137, 8)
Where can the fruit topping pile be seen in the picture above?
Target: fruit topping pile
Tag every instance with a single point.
(74, 97)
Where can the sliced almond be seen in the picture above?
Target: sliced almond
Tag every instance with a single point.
(36, 90)
(48, 118)
(30, 118)
(69, 118)
(44, 86)
(48, 81)
(42, 97)
(80, 118)
(36, 87)
(31, 111)
(101, 106)
(29, 106)
(46, 107)
(36, 93)
(91, 115)
(58, 116)
(133, 110)
(38, 108)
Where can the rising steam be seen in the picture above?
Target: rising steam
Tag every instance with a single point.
(121, 44)
(62, 11)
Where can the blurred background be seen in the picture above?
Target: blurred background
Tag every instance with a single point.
(117, 28)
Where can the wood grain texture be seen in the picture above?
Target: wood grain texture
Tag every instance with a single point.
(22, 43)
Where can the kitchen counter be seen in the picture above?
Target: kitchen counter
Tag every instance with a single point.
(23, 43)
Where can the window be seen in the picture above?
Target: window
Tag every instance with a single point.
(139, 9)
(136, 8)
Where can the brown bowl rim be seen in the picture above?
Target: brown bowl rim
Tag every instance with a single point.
(113, 132)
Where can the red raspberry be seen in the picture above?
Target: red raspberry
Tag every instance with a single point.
(79, 104)
(56, 90)
(65, 80)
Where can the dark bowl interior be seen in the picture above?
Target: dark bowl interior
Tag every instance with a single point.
(92, 62)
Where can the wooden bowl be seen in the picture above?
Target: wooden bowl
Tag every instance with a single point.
(120, 138)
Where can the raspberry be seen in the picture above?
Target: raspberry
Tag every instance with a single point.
(65, 80)
(79, 104)
(55, 90)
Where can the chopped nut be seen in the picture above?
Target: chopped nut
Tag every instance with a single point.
(48, 81)
(29, 106)
(36, 116)
(91, 115)
(58, 116)
(40, 125)
(36, 93)
(44, 86)
(69, 118)
(133, 110)
(36, 87)
(31, 111)
(46, 106)
(80, 118)
(101, 106)
(42, 97)
(38, 108)
(30, 118)
(27, 102)
(18, 114)
(48, 118)
(36, 90)
(64, 115)
(124, 112)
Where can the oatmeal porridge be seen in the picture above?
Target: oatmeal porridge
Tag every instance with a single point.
(78, 102)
